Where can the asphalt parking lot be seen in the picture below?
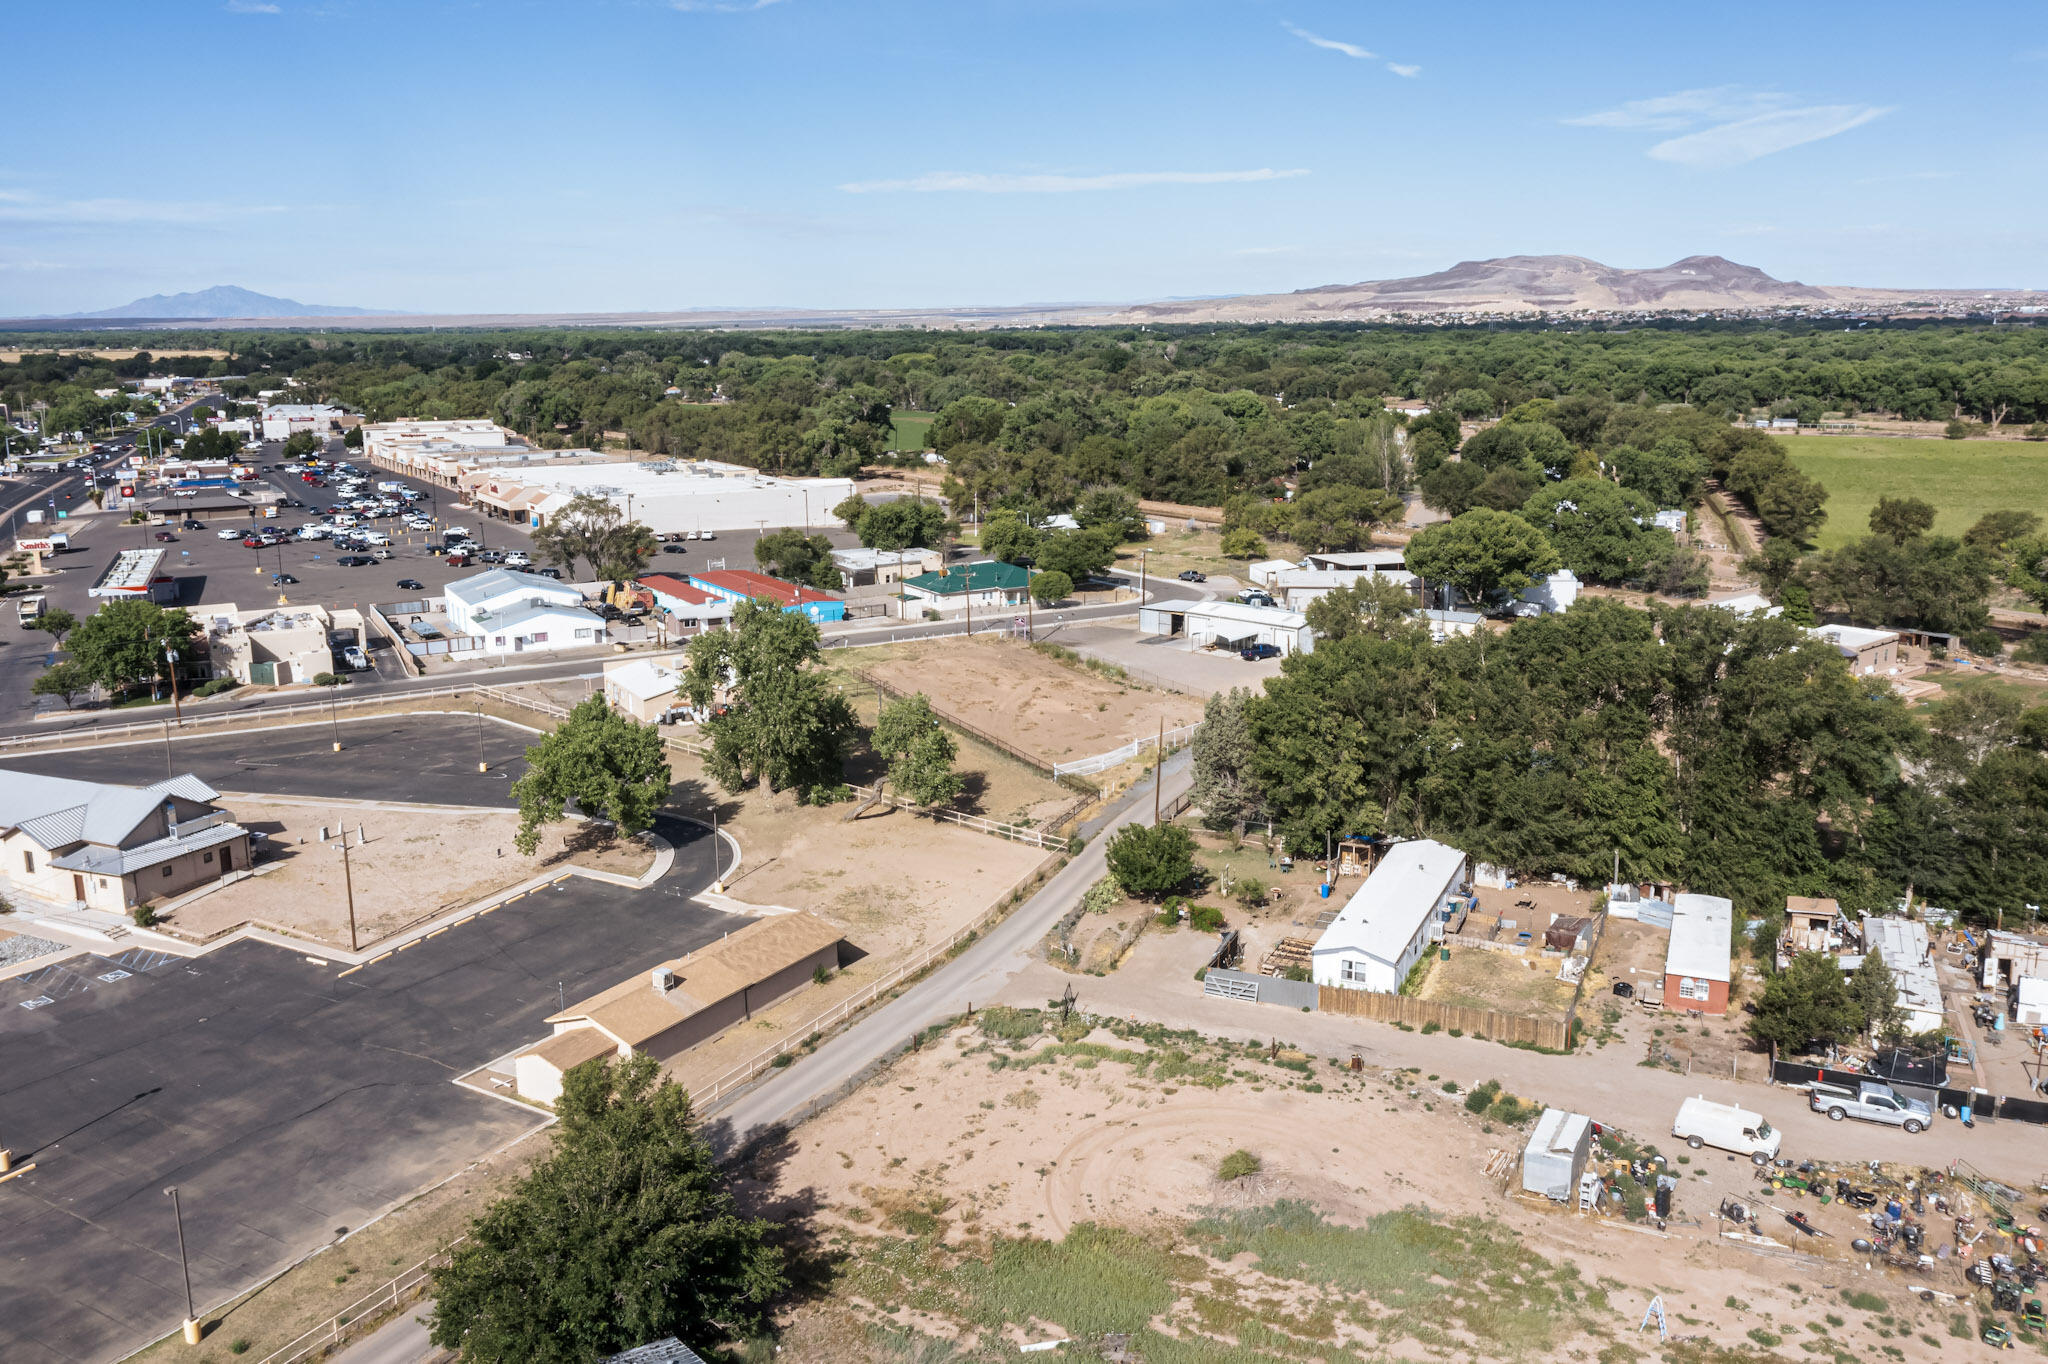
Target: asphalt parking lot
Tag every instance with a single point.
(285, 1100)
(427, 759)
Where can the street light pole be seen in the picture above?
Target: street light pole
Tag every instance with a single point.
(333, 723)
(191, 1313)
(177, 706)
(481, 765)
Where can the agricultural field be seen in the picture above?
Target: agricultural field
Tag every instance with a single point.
(912, 430)
(1962, 478)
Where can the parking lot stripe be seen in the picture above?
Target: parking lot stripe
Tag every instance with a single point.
(353, 969)
(439, 931)
(379, 957)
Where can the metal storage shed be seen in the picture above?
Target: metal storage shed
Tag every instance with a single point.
(1556, 1154)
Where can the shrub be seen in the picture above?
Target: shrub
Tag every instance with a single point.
(1237, 1165)
(781, 1059)
(328, 680)
(1250, 891)
(1300, 973)
(1955, 430)
(215, 687)
(1206, 919)
(1863, 1302)
(1169, 915)
(238, 1347)
(2038, 431)
(143, 915)
(1432, 1026)
(2033, 649)
(821, 974)
(1151, 860)
(1007, 1024)
(1481, 1099)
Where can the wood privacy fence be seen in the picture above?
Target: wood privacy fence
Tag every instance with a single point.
(1551, 1033)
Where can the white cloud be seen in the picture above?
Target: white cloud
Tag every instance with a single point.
(1685, 109)
(31, 208)
(1726, 125)
(976, 182)
(1330, 44)
(250, 7)
(1409, 71)
(1731, 144)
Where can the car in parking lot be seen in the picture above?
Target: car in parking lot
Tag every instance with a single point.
(284, 580)
(355, 561)
(1252, 653)
(516, 559)
(412, 584)
(228, 534)
(674, 549)
(554, 573)
(253, 542)
(192, 525)
(164, 537)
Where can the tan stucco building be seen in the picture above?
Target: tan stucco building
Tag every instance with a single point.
(80, 843)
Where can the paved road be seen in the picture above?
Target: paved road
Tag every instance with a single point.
(402, 1340)
(978, 974)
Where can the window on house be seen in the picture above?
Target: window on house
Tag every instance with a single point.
(540, 638)
(1352, 972)
(208, 857)
(28, 861)
(583, 634)
(498, 643)
(167, 870)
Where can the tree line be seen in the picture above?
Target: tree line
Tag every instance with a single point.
(1734, 756)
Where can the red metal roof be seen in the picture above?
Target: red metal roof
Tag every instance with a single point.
(671, 586)
(761, 585)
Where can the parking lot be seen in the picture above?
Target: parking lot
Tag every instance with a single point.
(287, 1101)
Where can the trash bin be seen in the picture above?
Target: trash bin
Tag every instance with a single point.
(1443, 954)
(1324, 890)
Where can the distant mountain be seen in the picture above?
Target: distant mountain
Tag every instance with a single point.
(227, 300)
(1517, 284)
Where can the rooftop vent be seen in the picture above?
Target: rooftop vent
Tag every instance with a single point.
(663, 979)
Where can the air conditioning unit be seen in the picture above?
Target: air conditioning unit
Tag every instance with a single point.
(663, 979)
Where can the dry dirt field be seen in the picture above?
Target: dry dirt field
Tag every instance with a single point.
(1044, 706)
(1052, 1183)
(896, 882)
(415, 863)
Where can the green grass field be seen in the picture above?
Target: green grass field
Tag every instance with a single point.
(1962, 478)
(913, 429)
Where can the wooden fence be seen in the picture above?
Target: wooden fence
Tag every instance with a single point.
(1549, 1033)
(983, 737)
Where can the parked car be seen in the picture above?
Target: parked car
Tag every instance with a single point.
(380, 553)
(164, 537)
(253, 542)
(517, 560)
(355, 561)
(1193, 575)
(1252, 653)
(674, 549)
(412, 584)
(192, 525)
(284, 580)
(354, 659)
(554, 573)
(1871, 1102)
(227, 534)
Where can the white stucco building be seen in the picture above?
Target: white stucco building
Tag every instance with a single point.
(508, 612)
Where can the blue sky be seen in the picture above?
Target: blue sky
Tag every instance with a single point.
(515, 155)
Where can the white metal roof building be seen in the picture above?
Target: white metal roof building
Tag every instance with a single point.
(136, 574)
(668, 495)
(1556, 1154)
(1228, 625)
(1868, 651)
(1697, 959)
(1388, 922)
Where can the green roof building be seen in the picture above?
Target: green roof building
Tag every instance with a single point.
(986, 584)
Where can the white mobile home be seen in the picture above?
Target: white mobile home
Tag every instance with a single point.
(1391, 920)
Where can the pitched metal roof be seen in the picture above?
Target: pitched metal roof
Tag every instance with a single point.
(482, 587)
(57, 811)
(984, 576)
(100, 860)
(1383, 916)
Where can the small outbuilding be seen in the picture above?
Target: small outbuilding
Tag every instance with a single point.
(1557, 1154)
(1568, 933)
(2030, 1002)
(1228, 625)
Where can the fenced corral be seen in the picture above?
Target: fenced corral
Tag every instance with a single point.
(980, 735)
(1549, 1033)
(1116, 757)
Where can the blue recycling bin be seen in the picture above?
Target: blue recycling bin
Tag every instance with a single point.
(1324, 890)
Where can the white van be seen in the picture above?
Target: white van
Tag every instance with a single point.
(313, 531)
(1702, 1122)
(376, 537)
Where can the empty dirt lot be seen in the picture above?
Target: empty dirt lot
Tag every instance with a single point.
(1056, 710)
(414, 863)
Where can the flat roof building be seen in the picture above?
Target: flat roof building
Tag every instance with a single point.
(136, 575)
(1227, 625)
(1909, 956)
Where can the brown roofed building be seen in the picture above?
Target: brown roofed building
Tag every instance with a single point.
(682, 1002)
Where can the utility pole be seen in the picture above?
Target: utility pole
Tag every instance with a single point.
(333, 723)
(177, 706)
(168, 774)
(191, 1313)
(348, 883)
(481, 765)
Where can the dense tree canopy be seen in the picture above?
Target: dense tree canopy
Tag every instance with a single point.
(785, 726)
(610, 766)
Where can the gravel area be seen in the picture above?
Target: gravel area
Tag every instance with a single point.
(20, 947)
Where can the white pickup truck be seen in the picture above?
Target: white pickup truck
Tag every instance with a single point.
(1872, 1102)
